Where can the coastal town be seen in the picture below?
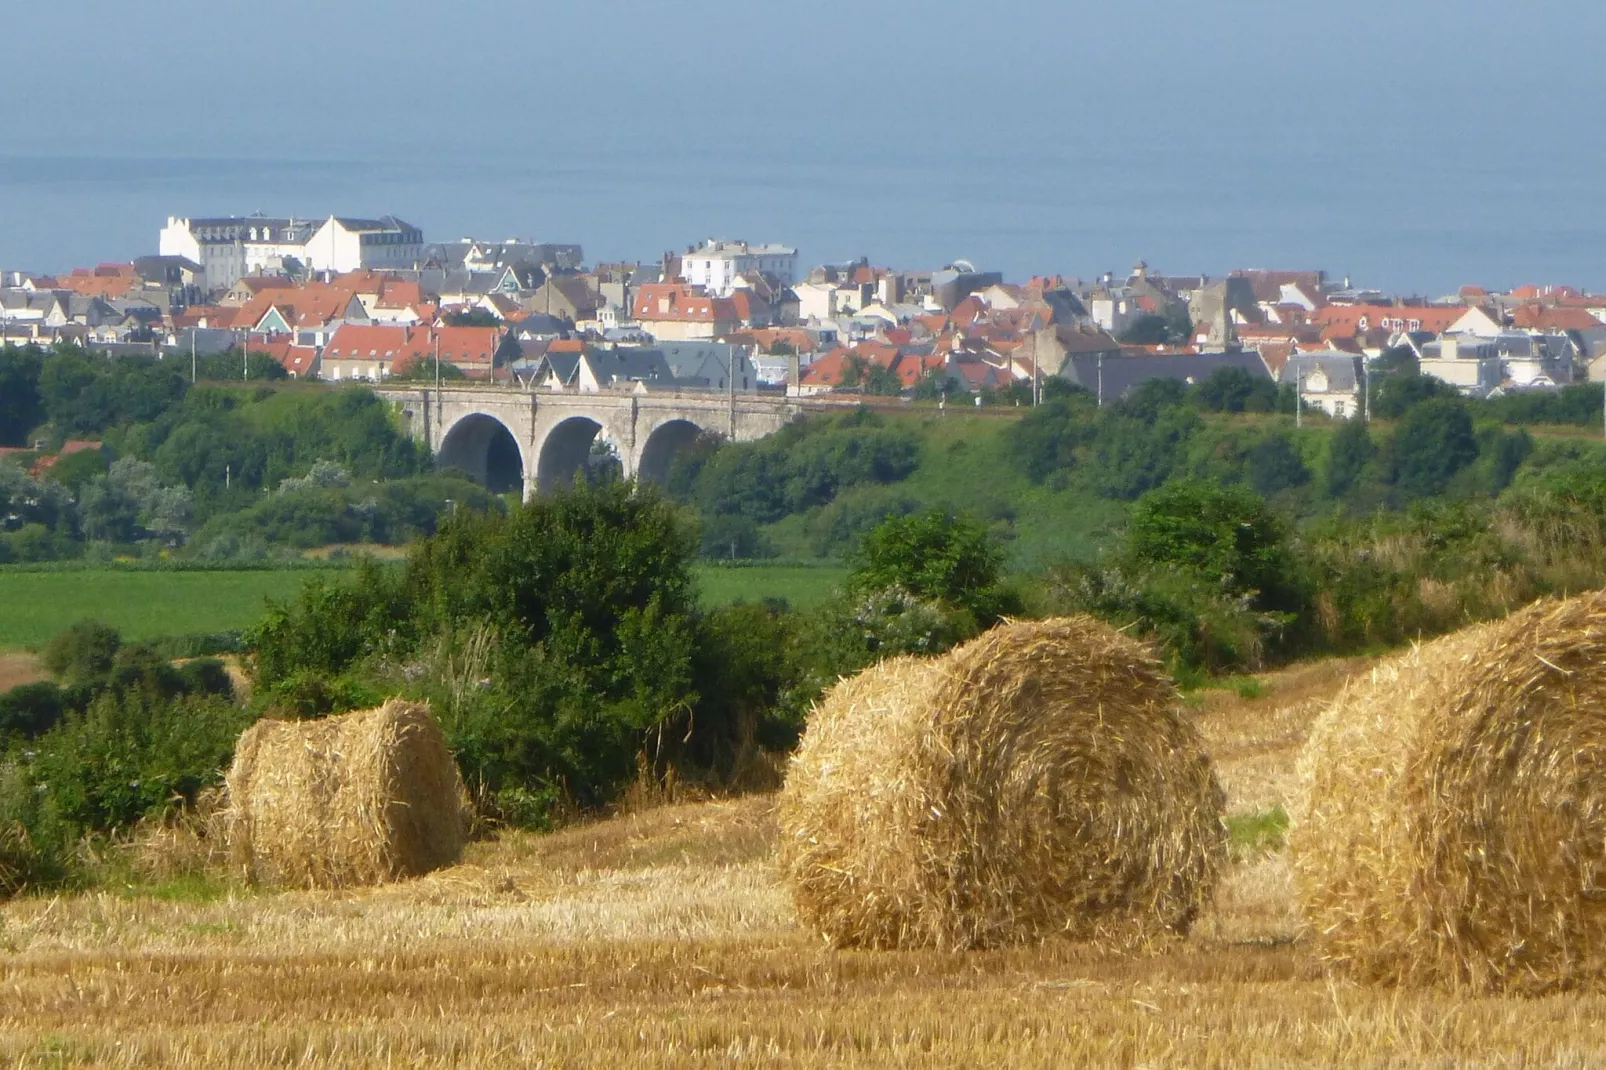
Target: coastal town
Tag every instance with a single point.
(371, 300)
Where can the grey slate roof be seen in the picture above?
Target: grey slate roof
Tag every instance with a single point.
(1343, 370)
(1122, 374)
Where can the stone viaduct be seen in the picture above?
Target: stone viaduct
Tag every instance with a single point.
(506, 436)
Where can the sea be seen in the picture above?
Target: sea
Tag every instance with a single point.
(1379, 215)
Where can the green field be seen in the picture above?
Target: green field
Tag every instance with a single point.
(149, 604)
(140, 604)
(804, 586)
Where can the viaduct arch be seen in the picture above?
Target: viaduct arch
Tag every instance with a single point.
(505, 437)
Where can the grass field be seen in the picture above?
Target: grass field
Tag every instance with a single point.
(662, 938)
(147, 605)
(804, 586)
(142, 605)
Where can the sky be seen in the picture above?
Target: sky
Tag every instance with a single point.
(1414, 145)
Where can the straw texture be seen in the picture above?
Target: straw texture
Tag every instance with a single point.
(1453, 830)
(362, 798)
(1037, 781)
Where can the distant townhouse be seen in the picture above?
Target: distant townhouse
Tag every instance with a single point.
(373, 353)
(678, 311)
(716, 265)
(235, 246)
(1331, 382)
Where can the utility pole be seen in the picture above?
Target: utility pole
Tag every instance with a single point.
(1298, 403)
(730, 383)
(1101, 380)
(192, 356)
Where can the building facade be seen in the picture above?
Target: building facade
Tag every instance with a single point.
(716, 265)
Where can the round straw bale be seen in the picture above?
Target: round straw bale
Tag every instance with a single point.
(1037, 781)
(361, 798)
(1453, 829)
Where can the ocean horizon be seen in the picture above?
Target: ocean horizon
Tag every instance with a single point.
(1403, 225)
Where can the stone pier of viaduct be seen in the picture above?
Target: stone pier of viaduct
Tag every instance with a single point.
(505, 436)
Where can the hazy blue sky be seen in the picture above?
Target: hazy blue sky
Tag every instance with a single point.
(1416, 143)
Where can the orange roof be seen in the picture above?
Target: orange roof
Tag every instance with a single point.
(297, 360)
(1337, 319)
(1554, 318)
(105, 280)
(681, 302)
(353, 341)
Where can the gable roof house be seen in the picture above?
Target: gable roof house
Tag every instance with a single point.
(568, 296)
(372, 353)
(678, 311)
(1331, 382)
(710, 364)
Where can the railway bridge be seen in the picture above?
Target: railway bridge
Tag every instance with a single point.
(507, 437)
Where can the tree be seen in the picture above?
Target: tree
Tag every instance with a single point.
(474, 317)
(1225, 534)
(933, 555)
(1169, 328)
(21, 408)
(1434, 441)
(883, 381)
(1232, 389)
(1393, 395)
(1349, 450)
(83, 652)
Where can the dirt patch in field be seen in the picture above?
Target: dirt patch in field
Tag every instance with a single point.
(18, 668)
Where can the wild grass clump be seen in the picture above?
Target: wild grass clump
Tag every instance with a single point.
(1454, 829)
(1038, 781)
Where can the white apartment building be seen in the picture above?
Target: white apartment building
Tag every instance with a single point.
(716, 265)
(232, 247)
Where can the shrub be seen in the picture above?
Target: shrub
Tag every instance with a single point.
(82, 652)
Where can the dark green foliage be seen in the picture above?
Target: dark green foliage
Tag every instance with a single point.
(21, 408)
(1433, 442)
(85, 651)
(1224, 534)
(1581, 404)
(233, 366)
(1047, 438)
(328, 626)
(1136, 453)
(390, 513)
(29, 711)
(1349, 451)
(803, 466)
(88, 395)
(77, 470)
(1169, 328)
(581, 609)
(475, 317)
(1235, 390)
(1393, 395)
(129, 755)
(934, 556)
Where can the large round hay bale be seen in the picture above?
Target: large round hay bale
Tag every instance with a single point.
(1453, 829)
(361, 798)
(1038, 781)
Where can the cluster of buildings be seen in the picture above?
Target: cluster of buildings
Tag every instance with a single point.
(345, 299)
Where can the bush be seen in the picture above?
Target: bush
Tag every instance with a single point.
(933, 556)
(84, 651)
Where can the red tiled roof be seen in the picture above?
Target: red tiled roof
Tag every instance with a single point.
(353, 341)
(1337, 319)
(681, 302)
(1554, 318)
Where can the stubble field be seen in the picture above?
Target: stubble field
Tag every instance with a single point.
(661, 938)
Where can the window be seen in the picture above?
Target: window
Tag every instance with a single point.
(1338, 408)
